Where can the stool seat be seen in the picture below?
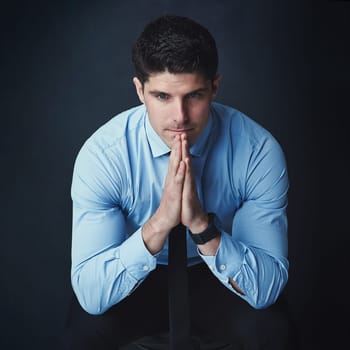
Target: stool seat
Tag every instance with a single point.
(161, 342)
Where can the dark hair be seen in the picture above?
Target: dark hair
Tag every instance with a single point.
(175, 44)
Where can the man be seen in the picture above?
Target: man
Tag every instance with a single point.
(179, 158)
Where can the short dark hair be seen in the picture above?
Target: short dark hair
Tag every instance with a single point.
(175, 44)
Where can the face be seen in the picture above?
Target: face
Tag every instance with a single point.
(177, 103)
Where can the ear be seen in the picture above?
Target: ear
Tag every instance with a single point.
(139, 89)
(216, 83)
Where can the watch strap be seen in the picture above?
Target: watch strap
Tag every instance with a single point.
(208, 234)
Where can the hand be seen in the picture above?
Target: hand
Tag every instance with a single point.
(168, 214)
(192, 213)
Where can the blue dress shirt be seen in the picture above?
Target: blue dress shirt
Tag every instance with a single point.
(117, 184)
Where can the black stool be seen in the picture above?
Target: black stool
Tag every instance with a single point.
(161, 342)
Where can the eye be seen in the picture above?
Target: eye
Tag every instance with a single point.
(162, 96)
(195, 95)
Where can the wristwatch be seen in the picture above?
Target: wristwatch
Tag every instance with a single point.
(208, 234)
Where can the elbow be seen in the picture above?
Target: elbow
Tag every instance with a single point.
(91, 308)
(89, 304)
(97, 292)
(263, 298)
(261, 304)
(89, 298)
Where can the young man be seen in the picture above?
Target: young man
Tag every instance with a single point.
(179, 158)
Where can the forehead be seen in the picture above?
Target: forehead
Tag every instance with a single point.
(179, 82)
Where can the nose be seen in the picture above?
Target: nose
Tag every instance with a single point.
(180, 112)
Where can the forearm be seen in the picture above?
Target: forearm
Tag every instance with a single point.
(249, 272)
(107, 278)
(155, 233)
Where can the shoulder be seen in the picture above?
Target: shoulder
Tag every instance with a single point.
(241, 128)
(101, 166)
(118, 129)
(108, 146)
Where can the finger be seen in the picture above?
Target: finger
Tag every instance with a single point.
(185, 148)
(181, 172)
(189, 182)
(188, 174)
(175, 156)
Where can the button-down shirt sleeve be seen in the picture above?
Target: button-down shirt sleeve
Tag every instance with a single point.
(103, 269)
(254, 254)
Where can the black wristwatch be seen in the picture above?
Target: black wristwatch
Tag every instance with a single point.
(208, 234)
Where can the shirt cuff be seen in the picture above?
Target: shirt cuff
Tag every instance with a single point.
(135, 257)
(228, 259)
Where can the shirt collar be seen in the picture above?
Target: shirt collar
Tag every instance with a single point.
(198, 148)
(160, 148)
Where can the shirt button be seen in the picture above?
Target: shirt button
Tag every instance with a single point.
(222, 267)
(145, 268)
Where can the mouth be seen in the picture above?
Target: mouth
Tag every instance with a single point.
(180, 131)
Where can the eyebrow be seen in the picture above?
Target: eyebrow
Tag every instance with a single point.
(157, 92)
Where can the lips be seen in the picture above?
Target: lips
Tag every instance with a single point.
(180, 130)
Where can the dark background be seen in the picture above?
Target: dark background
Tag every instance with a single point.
(66, 69)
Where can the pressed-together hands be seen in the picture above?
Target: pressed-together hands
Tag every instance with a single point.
(192, 214)
(179, 202)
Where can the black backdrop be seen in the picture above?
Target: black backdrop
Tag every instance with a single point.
(66, 69)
